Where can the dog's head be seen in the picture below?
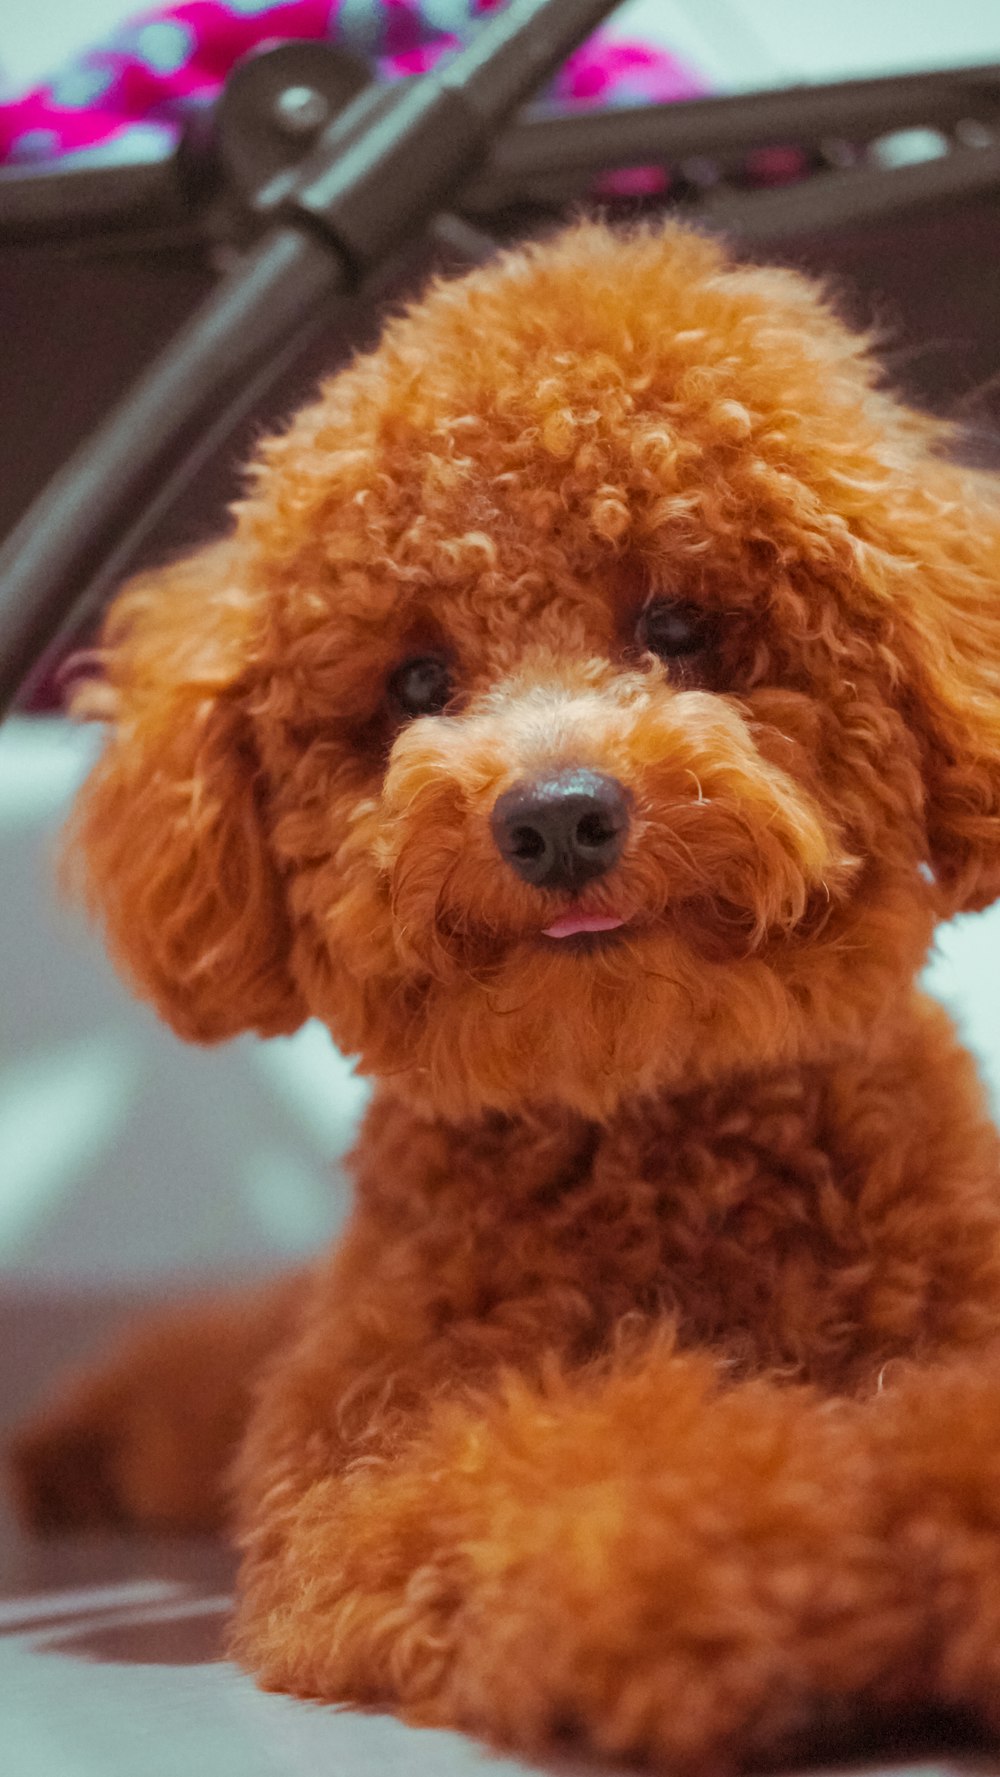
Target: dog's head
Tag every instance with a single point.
(599, 689)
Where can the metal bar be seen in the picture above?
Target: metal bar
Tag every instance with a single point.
(49, 201)
(843, 200)
(357, 205)
(544, 147)
(53, 202)
(214, 366)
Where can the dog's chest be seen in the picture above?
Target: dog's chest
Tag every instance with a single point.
(734, 1216)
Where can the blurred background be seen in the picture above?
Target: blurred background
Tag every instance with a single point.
(130, 1164)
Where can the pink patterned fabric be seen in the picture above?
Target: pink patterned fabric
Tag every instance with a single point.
(129, 95)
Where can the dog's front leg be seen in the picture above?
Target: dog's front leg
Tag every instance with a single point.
(145, 1434)
(644, 1560)
(936, 1429)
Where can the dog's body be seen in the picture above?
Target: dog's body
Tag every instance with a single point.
(593, 711)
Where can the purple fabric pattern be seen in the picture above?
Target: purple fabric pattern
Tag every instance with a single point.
(128, 95)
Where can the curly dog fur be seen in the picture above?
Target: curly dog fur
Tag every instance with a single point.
(652, 1397)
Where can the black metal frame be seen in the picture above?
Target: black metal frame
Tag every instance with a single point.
(557, 157)
(384, 167)
(334, 206)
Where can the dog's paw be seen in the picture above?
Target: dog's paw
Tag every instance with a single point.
(147, 1435)
(968, 1675)
(66, 1473)
(132, 1442)
(118, 1457)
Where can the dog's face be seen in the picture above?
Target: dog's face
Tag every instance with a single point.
(598, 692)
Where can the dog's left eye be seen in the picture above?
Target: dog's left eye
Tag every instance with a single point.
(422, 687)
(671, 629)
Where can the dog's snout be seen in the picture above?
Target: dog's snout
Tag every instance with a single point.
(563, 831)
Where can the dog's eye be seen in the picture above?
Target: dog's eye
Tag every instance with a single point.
(421, 687)
(671, 630)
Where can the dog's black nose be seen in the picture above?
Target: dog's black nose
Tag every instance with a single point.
(560, 832)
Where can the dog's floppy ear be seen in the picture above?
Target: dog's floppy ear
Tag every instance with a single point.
(949, 634)
(167, 841)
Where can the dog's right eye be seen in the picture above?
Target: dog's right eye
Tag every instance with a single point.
(422, 686)
(673, 630)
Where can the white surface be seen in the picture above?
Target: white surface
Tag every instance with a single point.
(73, 1706)
(741, 44)
(36, 39)
(738, 44)
(125, 1155)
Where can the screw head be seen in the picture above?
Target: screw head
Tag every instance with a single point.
(300, 111)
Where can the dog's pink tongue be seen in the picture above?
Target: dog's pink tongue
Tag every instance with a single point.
(569, 924)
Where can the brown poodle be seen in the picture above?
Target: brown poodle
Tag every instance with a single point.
(594, 708)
